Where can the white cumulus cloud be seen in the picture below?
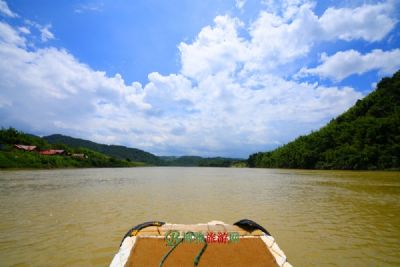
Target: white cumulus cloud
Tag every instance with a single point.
(370, 22)
(345, 63)
(217, 48)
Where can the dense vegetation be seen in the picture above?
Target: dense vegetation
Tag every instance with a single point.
(118, 152)
(11, 157)
(367, 136)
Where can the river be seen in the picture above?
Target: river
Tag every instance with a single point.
(77, 217)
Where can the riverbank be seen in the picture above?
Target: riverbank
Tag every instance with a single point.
(15, 159)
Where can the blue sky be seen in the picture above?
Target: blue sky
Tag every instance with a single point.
(211, 77)
(132, 39)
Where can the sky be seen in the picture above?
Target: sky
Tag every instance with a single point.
(190, 77)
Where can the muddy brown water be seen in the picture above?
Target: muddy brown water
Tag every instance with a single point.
(77, 217)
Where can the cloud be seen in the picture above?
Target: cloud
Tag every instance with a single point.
(345, 63)
(45, 33)
(5, 10)
(10, 36)
(217, 48)
(368, 22)
(44, 30)
(280, 36)
(91, 7)
(280, 39)
(24, 30)
(240, 3)
(277, 40)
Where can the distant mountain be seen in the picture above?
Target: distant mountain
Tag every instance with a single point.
(181, 161)
(367, 136)
(118, 152)
(199, 161)
(98, 155)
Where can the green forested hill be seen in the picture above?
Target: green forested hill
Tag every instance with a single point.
(367, 136)
(10, 157)
(119, 152)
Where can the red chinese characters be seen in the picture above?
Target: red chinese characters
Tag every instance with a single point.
(220, 237)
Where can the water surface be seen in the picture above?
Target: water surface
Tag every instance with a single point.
(78, 217)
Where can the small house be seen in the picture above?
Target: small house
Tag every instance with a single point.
(50, 152)
(79, 156)
(25, 148)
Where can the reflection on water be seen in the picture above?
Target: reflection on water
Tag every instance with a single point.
(78, 217)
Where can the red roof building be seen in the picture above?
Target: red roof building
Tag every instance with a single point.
(24, 147)
(52, 152)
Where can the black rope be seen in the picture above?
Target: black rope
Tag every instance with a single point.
(139, 227)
